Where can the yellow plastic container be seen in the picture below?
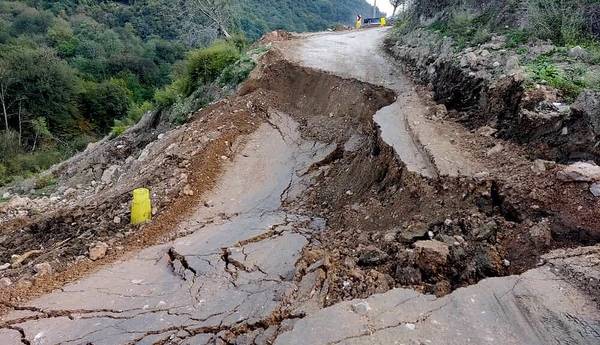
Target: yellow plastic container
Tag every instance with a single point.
(141, 206)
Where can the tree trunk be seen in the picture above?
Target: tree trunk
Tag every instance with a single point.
(223, 31)
(4, 111)
(20, 126)
(394, 11)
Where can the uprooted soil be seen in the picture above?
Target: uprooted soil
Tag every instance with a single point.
(386, 227)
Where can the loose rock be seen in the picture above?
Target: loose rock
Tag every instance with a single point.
(98, 251)
(43, 268)
(372, 256)
(580, 172)
(432, 255)
(5, 282)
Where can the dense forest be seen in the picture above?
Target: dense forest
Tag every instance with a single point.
(71, 69)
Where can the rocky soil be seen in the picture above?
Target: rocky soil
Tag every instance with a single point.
(489, 85)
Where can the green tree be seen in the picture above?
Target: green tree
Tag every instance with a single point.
(104, 102)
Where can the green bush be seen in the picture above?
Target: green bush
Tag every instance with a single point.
(206, 65)
(516, 38)
(557, 20)
(43, 181)
(234, 74)
(466, 27)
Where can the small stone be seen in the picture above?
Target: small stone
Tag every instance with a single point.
(4, 266)
(540, 165)
(160, 136)
(349, 193)
(486, 231)
(506, 263)
(432, 255)
(411, 326)
(187, 190)
(371, 256)
(481, 176)
(43, 268)
(70, 192)
(117, 220)
(98, 251)
(595, 189)
(109, 174)
(496, 64)
(408, 275)
(564, 131)
(412, 233)
(495, 150)
(361, 308)
(389, 237)
(5, 282)
(541, 234)
(578, 52)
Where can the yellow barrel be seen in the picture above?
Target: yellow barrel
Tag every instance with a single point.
(141, 206)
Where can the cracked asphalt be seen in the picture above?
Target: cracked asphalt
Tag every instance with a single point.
(232, 277)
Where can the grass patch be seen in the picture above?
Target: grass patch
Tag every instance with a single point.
(569, 82)
(465, 27)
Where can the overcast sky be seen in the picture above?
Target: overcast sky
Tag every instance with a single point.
(384, 5)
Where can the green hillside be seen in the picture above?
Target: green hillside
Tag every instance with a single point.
(71, 69)
(259, 16)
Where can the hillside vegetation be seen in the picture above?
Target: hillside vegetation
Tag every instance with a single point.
(72, 71)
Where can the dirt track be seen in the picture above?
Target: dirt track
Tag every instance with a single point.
(341, 179)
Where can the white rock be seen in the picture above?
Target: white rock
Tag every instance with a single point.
(540, 165)
(361, 308)
(187, 190)
(4, 266)
(43, 268)
(117, 220)
(98, 251)
(109, 174)
(580, 172)
(495, 150)
(595, 189)
(5, 282)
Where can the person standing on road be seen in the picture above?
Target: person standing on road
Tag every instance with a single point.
(358, 21)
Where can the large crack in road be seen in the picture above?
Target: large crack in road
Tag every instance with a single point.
(245, 271)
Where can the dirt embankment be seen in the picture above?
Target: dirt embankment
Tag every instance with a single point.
(489, 86)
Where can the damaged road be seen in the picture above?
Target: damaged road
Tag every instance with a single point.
(231, 276)
(337, 220)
